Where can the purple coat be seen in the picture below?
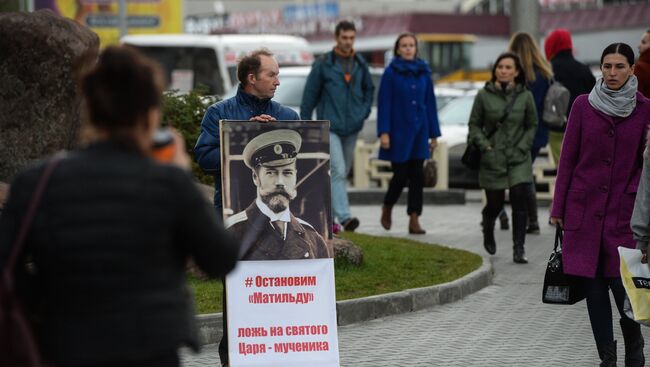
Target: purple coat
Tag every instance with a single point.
(596, 184)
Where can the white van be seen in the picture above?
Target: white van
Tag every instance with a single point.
(192, 59)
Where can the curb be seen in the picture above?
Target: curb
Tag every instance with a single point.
(210, 326)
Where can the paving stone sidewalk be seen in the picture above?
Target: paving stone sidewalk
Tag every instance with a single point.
(505, 324)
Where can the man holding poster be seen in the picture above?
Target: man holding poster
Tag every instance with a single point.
(276, 201)
(258, 78)
(267, 230)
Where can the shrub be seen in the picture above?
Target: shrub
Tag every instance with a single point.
(184, 112)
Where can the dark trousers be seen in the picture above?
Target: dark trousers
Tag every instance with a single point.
(600, 307)
(409, 173)
(497, 198)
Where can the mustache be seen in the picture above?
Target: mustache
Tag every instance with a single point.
(280, 192)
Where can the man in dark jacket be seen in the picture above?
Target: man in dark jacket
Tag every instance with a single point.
(642, 65)
(339, 86)
(574, 75)
(258, 78)
(267, 230)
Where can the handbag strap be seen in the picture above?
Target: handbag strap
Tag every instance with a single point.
(27, 219)
(506, 113)
(559, 238)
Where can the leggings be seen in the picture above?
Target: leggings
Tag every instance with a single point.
(600, 307)
(496, 199)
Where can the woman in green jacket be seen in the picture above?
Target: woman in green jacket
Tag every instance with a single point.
(505, 140)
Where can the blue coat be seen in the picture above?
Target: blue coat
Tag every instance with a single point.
(242, 106)
(345, 105)
(406, 110)
(539, 88)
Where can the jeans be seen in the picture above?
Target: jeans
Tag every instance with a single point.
(341, 154)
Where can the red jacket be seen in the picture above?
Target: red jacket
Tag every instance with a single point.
(642, 72)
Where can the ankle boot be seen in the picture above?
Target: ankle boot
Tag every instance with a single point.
(414, 224)
(519, 236)
(386, 216)
(633, 343)
(531, 203)
(607, 354)
(488, 233)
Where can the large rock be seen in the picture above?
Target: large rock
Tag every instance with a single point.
(346, 252)
(40, 55)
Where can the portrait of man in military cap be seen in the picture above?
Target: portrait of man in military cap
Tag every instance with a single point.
(267, 228)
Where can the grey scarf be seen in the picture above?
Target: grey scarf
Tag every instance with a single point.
(616, 103)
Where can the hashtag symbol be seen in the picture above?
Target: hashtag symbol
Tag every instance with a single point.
(248, 282)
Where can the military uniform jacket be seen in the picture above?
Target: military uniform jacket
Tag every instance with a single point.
(259, 240)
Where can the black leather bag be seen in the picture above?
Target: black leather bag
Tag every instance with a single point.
(472, 156)
(560, 288)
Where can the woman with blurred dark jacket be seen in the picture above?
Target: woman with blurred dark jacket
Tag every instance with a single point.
(113, 231)
(505, 155)
(407, 126)
(598, 175)
(538, 79)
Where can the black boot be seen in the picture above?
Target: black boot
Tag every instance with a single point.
(531, 203)
(633, 343)
(607, 354)
(519, 236)
(488, 233)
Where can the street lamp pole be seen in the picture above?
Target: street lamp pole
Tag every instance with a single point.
(122, 18)
(524, 17)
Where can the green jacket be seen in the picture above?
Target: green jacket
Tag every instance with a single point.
(505, 157)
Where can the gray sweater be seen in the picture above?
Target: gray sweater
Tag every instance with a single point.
(640, 221)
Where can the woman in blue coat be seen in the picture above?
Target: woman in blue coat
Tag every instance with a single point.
(407, 126)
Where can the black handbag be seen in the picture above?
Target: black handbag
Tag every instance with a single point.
(560, 288)
(18, 343)
(472, 156)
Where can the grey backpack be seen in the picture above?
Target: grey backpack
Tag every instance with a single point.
(556, 105)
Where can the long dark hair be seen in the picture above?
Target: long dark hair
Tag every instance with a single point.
(519, 79)
(619, 48)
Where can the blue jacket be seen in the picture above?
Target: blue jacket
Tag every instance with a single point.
(406, 110)
(242, 106)
(345, 105)
(539, 88)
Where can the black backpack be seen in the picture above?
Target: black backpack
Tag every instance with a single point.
(556, 105)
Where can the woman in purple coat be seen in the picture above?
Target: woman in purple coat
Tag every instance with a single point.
(407, 126)
(599, 171)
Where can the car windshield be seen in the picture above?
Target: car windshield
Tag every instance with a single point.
(456, 111)
(289, 93)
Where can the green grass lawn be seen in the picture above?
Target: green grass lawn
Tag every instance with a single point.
(389, 265)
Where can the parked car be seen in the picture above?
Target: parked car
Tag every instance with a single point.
(454, 117)
(190, 60)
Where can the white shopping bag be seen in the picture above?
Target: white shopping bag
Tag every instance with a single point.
(636, 280)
